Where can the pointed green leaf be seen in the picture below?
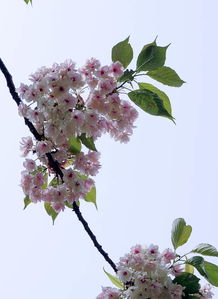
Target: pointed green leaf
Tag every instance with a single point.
(212, 273)
(149, 102)
(195, 260)
(91, 196)
(28, 1)
(127, 76)
(114, 280)
(151, 57)
(145, 55)
(198, 263)
(27, 201)
(50, 211)
(189, 281)
(208, 270)
(88, 142)
(167, 76)
(160, 93)
(123, 52)
(74, 145)
(180, 232)
(206, 249)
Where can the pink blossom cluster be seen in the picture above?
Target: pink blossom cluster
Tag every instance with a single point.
(67, 102)
(147, 273)
(64, 103)
(206, 292)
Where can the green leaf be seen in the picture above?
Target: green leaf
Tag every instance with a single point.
(123, 53)
(167, 76)
(82, 176)
(189, 268)
(145, 55)
(206, 249)
(127, 76)
(88, 142)
(150, 102)
(206, 269)
(189, 281)
(212, 273)
(70, 206)
(55, 182)
(159, 93)
(180, 232)
(38, 169)
(45, 185)
(27, 201)
(195, 261)
(91, 196)
(28, 1)
(151, 57)
(198, 263)
(114, 280)
(74, 145)
(50, 211)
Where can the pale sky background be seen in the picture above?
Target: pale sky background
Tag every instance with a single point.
(164, 172)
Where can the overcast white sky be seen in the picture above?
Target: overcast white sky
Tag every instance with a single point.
(165, 172)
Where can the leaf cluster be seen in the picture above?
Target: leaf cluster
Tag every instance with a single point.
(150, 62)
(180, 234)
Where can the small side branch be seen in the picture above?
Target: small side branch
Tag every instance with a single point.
(53, 163)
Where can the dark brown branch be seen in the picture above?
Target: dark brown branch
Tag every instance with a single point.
(17, 99)
(53, 163)
(92, 236)
(10, 83)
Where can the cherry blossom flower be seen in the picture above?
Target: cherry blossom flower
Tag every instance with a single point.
(26, 145)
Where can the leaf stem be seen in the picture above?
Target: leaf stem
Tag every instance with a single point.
(121, 85)
(180, 258)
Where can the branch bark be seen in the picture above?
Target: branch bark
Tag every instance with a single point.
(53, 163)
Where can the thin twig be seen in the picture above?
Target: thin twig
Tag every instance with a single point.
(53, 163)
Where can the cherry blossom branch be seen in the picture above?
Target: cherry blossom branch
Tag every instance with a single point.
(53, 163)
